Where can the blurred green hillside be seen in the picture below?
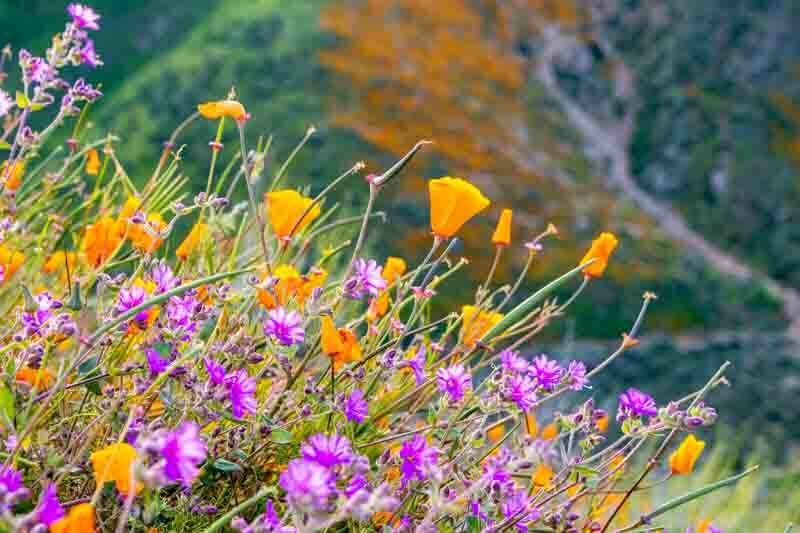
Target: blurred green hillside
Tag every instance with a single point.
(715, 127)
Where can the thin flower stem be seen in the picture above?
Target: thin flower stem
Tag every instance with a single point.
(373, 192)
(227, 517)
(252, 199)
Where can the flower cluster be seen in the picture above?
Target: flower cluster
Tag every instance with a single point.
(257, 362)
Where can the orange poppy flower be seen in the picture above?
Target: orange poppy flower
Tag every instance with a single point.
(288, 281)
(683, 459)
(93, 162)
(601, 249)
(80, 519)
(453, 202)
(393, 269)
(543, 475)
(602, 424)
(192, 241)
(10, 261)
(286, 208)
(222, 108)
(113, 463)
(58, 261)
(38, 378)
(502, 233)
(496, 432)
(476, 324)
(14, 179)
(340, 345)
(101, 239)
(531, 425)
(549, 432)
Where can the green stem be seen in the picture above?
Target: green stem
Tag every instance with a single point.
(227, 517)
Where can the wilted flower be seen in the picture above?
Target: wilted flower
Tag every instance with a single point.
(453, 202)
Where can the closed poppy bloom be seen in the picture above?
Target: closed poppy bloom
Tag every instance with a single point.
(113, 463)
(502, 233)
(145, 237)
(80, 519)
(14, 178)
(601, 249)
(222, 108)
(531, 425)
(543, 475)
(477, 323)
(101, 239)
(453, 202)
(38, 378)
(286, 208)
(602, 424)
(683, 459)
(192, 241)
(93, 163)
(10, 261)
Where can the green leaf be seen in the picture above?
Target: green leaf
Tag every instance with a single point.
(223, 465)
(4, 145)
(87, 369)
(522, 310)
(7, 409)
(473, 524)
(281, 436)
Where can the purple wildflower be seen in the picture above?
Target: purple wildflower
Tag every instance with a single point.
(635, 403)
(356, 407)
(285, 326)
(417, 364)
(183, 450)
(521, 390)
(49, 509)
(181, 312)
(164, 278)
(241, 390)
(327, 451)
(576, 375)
(155, 362)
(89, 55)
(546, 371)
(307, 484)
(519, 505)
(131, 297)
(367, 278)
(418, 458)
(84, 17)
(216, 372)
(6, 103)
(454, 381)
(512, 362)
(356, 484)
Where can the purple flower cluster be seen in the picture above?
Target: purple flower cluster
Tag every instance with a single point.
(49, 509)
(418, 460)
(41, 322)
(367, 279)
(241, 391)
(417, 364)
(183, 450)
(356, 407)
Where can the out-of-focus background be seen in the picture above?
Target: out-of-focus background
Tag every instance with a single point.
(673, 123)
